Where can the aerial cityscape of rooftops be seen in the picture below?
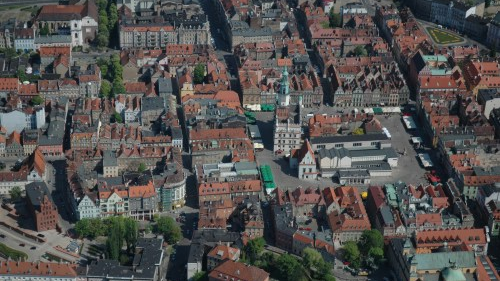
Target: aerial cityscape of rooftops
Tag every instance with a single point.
(250, 140)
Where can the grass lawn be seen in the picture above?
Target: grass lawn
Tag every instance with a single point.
(12, 253)
(443, 37)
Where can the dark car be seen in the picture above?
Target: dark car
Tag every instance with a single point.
(33, 248)
(2, 235)
(41, 235)
(22, 245)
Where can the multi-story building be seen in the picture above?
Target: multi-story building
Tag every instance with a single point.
(219, 254)
(43, 271)
(219, 145)
(87, 208)
(42, 206)
(78, 21)
(445, 264)
(32, 170)
(304, 160)
(24, 39)
(176, 28)
(239, 271)
(347, 216)
(287, 129)
(493, 35)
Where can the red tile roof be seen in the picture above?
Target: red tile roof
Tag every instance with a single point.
(230, 270)
(37, 269)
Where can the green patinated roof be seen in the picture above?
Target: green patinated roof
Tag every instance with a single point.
(450, 274)
(438, 261)
(435, 58)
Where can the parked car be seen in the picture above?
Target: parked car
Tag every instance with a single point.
(22, 245)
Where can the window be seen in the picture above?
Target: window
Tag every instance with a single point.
(356, 144)
(374, 143)
(339, 145)
(76, 35)
(76, 25)
(321, 146)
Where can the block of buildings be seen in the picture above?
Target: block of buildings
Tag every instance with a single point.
(78, 21)
(304, 161)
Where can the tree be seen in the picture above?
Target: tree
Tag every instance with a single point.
(21, 75)
(142, 167)
(371, 239)
(360, 51)
(352, 254)
(106, 88)
(254, 247)
(118, 118)
(15, 193)
(170, 230)
(114, 242)
(102, 40)
(289, 268)
(118, 87)
(358, 131)
(91, 228)
(335, 19)
(131, 232)
(311, 258)
(44, 30)
(113, 16)
(199, 73)
(103, 66)
(37, 100)
(376, 254)
(200, 276)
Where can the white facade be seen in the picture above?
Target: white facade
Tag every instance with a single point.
(87, 209)
(287, 136)
(25, 44)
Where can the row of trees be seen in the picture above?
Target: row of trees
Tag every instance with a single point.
(369, 251)
(111, 70)
(119, 231)
(287, 267)
(108, 21)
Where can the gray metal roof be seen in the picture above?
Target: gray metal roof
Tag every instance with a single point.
(348, 138)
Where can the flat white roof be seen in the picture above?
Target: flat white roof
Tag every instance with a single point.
(426, 160)
(409, 122)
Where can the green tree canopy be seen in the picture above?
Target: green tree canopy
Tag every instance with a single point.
(37, 100)
(15, 193)
(106, 88)
(131, 233)
(358, 131)
(200, 276)
(254, 247)
(118, 87)
(289, 268)
(352, 254)
(116, 233)
(118, 118)
(44, 30)
(360, 51)
(91, 228)
(371, 239)
(199, 73)
(335, 19)
(170, 230)
(21, 75)
(142, 167)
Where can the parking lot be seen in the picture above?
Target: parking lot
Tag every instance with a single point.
(409, 169)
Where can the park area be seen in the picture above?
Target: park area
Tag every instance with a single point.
(443, 37)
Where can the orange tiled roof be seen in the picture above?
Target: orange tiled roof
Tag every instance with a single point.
(37, 269)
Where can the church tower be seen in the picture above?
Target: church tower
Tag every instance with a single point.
(284, 94)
